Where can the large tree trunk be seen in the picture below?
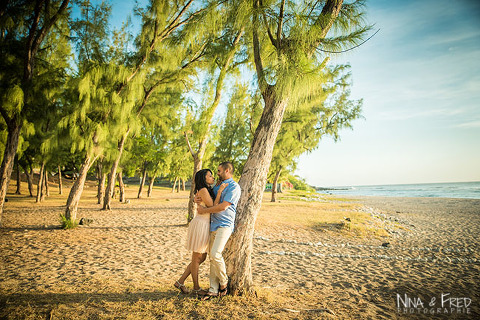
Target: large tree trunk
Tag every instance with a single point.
(113, 173)
(142, 182)
(150, 186)
(77, 189)
(274, 186)
(19, 180)
(252, 183)
(40, 184)
(29, 180)
(121, 186)
(101, 182)
(60, 184)
(7, 162)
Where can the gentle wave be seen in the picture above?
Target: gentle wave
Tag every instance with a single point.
(467, 190)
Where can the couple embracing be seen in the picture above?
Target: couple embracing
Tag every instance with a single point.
(211, 228)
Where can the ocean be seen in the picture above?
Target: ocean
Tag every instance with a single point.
(467, 190)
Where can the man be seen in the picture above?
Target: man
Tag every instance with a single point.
(222, 222)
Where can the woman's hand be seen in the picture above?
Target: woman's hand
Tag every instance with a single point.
(222, 187)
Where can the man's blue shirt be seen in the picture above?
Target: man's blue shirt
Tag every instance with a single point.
(226, 218)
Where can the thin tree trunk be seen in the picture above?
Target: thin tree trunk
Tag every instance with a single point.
(150, 187)
(174, 184)
(77, 189)
(29, 180)
(60, 184)
(274, 186)
(183, 184)
(113, 173)
(178, 185)
(40, 183)
(101, 182)
(192, 206)
(19, 181)
(252, 183)
(7, 163)
(121, 186)
(47, 190)
(142, 181)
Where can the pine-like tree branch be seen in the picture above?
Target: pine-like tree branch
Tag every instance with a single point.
(280, 25)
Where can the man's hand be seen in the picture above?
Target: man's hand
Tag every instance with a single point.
(201, 209)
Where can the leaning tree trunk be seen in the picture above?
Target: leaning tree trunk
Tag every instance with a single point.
(47, 190)
(101, 182)
(60, 184)
(7, 162)
(174, 184)
(150, 186)
(121, 186)
(29, 180)
(113, 173)
(142, 182)
(77, 189)
(274, 186)
(192, 206)
(19, 181)
(252, 183)
(40, 183)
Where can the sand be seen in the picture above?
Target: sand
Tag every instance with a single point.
(140, 245)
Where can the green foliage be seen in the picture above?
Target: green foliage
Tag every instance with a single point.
(299, 183)
(68, 223)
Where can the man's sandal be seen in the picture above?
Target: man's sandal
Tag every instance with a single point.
(223, 292)
(209, 296)
(181, 287)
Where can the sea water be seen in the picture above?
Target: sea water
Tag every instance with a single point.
(468, 190)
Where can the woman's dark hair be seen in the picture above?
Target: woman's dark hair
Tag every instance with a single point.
(201, 182)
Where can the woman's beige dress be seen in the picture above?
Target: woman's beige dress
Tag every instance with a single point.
(198, 233)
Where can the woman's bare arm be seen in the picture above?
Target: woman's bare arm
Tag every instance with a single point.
(206, 198)
(219, 193)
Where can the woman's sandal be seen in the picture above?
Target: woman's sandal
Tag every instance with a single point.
(200, 292)
(181, 287)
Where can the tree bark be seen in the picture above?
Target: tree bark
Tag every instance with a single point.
(274, 186)
(150, 186)
(40, 183)
(60, 184)
(29, 180)
(101, 182)
(121, 186)
(19, 181)
(47, 190)
(252, 182)
(183, 184)
(113, 173)
(7, 162)
(142, 182)
(192, 206)
(174, 184)
(77, 189)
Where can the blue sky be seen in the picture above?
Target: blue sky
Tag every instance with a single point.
(419, 78)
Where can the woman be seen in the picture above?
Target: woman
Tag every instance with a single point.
(199, 229)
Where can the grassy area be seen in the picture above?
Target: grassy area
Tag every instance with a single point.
(323, 213)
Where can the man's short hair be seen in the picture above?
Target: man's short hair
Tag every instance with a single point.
(227, 165)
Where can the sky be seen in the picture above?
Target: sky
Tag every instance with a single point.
(419, 78)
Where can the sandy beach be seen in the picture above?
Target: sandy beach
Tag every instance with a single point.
(129, 258)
